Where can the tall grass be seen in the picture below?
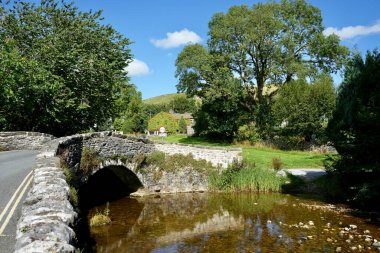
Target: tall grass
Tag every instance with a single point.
(246, 177)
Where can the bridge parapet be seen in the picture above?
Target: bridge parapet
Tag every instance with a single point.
(20, 140)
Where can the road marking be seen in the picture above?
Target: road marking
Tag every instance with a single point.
(11, 212)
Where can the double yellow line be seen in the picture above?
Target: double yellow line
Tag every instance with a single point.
(22, 187)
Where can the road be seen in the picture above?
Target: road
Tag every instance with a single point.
(15, 177)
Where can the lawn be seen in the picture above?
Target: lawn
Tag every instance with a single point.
(261, 156)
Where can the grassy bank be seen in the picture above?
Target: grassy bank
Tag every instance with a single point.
(261, 156)
(246, 177)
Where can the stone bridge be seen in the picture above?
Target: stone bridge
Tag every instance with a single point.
(48, 217)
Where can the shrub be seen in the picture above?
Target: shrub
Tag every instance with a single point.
(163, 119)
(247, 133)
(182, 126)
(101, 218)
(74, 196)
(277, 163)
(89, 160)
(246, 177)
(171, 163)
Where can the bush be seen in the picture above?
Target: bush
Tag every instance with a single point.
(101, 218)
(277, 163)
(90, 160)
(247, 133)
(163, 119)
(246, 177)
(182, 126)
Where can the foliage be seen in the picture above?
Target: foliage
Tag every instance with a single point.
(101, 218)
(150, 110)
(163, 119)
(355, 129)
(277, 163)
(131, 117)
(176, 162)
(246, 177)
(74, 196)
(182, 126)
(90, 160)
(303, 109)
(60, 68)
(248, 133)
(182, 104)
(271, 43)
(207, 76)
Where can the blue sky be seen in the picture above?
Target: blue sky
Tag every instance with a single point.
(159, 30)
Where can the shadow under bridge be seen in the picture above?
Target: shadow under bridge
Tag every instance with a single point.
(107, 184)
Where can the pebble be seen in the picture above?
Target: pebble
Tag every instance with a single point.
(301, 224)
(329, 240)
(269, 221)
(338, 249)
(311, 223)
(376, 244)
(354, 248)
(368, 240)
(353, 226)
(348, 241)
(328, 224)
(350, 237)
(309, 237)
(367, 231)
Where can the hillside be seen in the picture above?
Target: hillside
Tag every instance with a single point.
(163, 99)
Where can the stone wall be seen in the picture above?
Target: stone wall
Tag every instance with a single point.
(23, 140)
(217, 156)
(47, 215)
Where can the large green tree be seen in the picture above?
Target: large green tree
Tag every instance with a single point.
(303, 109)
(355, 130)
(61, 68)
(274, 43)
(271, 43)
(207, 76)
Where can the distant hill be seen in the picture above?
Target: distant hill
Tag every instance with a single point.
(163, 99)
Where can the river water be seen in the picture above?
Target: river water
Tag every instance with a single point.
(205, 222)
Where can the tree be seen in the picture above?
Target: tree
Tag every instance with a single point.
(64, 69)
(182, 126)
(207, 76)
(271, 43)
(355, 130)
(131, 117)
(304, 109)
(163, 119)
(182, 104)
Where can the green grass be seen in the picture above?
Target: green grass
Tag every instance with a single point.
(246, 177)
(261, 156)
(163, 99)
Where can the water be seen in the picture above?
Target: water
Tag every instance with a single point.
(232, 223)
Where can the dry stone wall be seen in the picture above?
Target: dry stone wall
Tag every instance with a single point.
(23, 140)
(217, 156)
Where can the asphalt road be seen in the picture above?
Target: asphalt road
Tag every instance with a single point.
(15, 166)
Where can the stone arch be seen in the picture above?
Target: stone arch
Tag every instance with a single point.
(108, 183)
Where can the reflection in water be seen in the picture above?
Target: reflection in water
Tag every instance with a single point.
(228, 223)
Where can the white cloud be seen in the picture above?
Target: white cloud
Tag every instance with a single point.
(137, 68)
(176, 39)
(349, 32)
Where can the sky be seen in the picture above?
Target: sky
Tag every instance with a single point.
(159, 29)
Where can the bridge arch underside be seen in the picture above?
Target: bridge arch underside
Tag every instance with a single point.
(107, 184)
